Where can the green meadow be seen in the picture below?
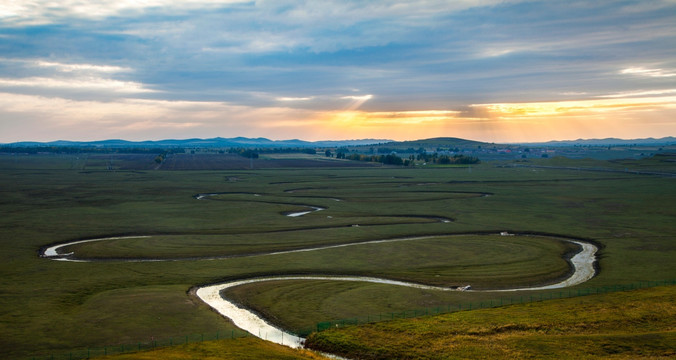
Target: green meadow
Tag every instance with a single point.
(447, 222)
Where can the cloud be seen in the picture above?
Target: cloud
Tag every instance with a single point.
(81, 67)
(297, 63)
(639, 93)
(580, 107)
(81, 84)
(396, 118)
(44, 118)
(92, 79)
(641, 71)
(294, 98)
(34, 12)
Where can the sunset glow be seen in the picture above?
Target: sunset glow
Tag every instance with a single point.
(518, 121)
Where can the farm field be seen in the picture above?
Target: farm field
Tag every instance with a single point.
(204, 227)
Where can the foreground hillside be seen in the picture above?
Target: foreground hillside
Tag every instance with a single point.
(621, 325)
(634, 324)
(235, 349)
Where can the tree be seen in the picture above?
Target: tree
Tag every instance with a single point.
(328, 153)
(444, 159)
(391, 159)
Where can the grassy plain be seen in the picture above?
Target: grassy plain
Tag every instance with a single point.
(52, 307)
(621, 325)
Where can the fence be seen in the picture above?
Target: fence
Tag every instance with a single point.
(502, 301)
(148, 345)
(321, 326)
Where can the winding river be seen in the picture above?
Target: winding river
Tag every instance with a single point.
(583, 270)
(582, 265)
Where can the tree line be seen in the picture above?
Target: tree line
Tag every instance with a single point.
(253, 153)
(392, 159)
(389, 159)
(435, 158)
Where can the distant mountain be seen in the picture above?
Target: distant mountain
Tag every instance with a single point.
(608, 142)
(433, 143)
(217, 142)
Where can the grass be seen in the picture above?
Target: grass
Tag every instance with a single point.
(237, 349)
(483, 261)
(52, 307)
(621, 325)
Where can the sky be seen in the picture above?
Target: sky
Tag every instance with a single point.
(486, 70)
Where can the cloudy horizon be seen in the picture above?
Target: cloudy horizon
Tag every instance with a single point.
(486, 70)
